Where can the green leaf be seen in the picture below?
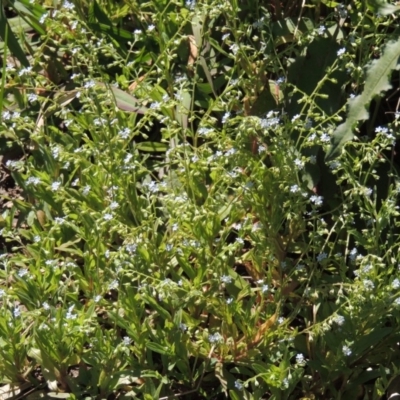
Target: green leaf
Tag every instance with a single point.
(376, 83)
(152, 146)
(233, 395)
(382, 7)
(330, 3)
(11, 41)
(97, 14)
(158, 348)
(183, 109)
(125, 101)
(370, 340)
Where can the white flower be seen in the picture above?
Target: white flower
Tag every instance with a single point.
(294, 188)
(396, 284)
(234, 48)
(264, 288)
(300, 358)
(368, 191)
(33, 180)
(55, 186)
(183, 327)
(43, 18)
(299, 163)
(97, 298)
(346, 350)
(338, 319)
(151, 28)
(114, 205)
(368, 284)
(126, 340)
(226, 279)
(215, 338)
(321, 256)
(69, 314)
(169, 247)
(353, 254)
(113, 285)
(89, 84)
(22, 272)
(68, 5)
(32, 98)
(325, 138)
(295, 117)
(108, 217)
(321, 30)
(226, 117)
(25, 71)
(341, 51)
(86, 190)
(317, 200)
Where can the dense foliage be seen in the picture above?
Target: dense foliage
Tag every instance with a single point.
(200, 199)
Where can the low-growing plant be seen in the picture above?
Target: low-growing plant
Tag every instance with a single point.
(180, 232)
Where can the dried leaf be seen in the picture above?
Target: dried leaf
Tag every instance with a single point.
(132, 87)
(193, 51)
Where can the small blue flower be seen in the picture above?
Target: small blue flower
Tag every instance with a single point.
(215, 338)
(238, 385)
(346, 350)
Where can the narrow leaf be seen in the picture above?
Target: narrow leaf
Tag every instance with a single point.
(10, 40)
(152, 146)
(377, 82)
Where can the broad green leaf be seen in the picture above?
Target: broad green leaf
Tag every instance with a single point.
(382, 7)
(307, 71)
(283, 30)
(377, 82)
(370, 340)
(125, 101)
